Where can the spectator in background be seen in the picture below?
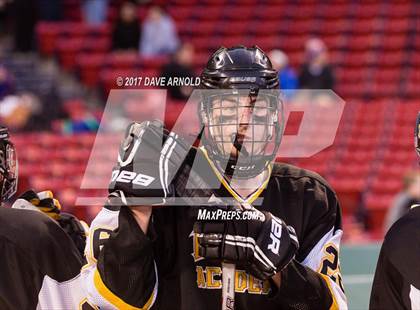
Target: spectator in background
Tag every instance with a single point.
(316, 72)
(287, 76)
(79, 120)
(126, 34)
(159, 35)
(180, 66)
(95, 11)
(25, 18)
(5, 10)
(6, 82)
(50, 10)
(21, 112)
(409, 196)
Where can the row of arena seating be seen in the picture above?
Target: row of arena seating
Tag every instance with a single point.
(373, 149)
(374, 45)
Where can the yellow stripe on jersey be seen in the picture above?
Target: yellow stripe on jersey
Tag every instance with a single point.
(114, 299)
(334, 305)
(251, 198)
(86, 302)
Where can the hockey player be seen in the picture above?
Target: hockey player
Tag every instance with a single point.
(397, 278)
(172, 257)
(39, 262)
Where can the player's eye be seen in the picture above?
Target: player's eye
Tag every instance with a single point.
(260, 118)
(227, 118)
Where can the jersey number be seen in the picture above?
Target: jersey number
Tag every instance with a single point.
(100, 236)
(331, 267)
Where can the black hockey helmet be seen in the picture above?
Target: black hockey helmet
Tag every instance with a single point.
(417, 135)
(8, 166)
(241, 71)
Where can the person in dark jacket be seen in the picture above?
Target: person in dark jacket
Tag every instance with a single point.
(316, 72)
(126, 34)
(180, 66)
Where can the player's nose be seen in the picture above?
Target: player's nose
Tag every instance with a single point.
(245, 118)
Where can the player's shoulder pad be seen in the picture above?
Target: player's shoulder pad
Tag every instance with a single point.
(402, 232)
(401, 245)
(283, 170)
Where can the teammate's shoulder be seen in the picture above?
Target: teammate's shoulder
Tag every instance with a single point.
(401, 244)
(287, 171)
(17, 220)
(36, 235)
(405, 230)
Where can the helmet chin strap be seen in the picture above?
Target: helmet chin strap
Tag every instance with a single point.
(232, 162)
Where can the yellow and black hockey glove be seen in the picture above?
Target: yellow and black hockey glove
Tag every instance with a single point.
(257, 241)
(46, 203)
(42, 201)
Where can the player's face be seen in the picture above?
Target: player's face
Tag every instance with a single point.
(247, 119)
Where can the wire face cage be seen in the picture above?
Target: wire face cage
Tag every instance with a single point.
(242, 127)
(8, 170)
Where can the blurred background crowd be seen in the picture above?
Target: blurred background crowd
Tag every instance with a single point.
(59, 60)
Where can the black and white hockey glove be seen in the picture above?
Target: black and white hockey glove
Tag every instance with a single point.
(263, 246)
(148, 160)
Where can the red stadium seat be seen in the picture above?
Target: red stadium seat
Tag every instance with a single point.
(377, 206)
(395, 9)
(366, 25)
(397, 25)
(47, 34)
(239, 13)
(123, 60)
(153, 63)
(232, 28)
(394, 42)
(203, 28)
(364, 42)
(89, 66)
(335, 10)
(367, 10)
(268, 26)
(208, 13)
(334, 26)
(181, 13)
(270, 12)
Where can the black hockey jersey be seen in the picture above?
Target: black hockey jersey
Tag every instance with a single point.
(397, 278)
(40, 265)
(130, 270)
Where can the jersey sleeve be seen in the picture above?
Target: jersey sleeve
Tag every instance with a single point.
(121, 272)
(315, 272)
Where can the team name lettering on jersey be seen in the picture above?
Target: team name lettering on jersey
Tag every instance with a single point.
(210, 277)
